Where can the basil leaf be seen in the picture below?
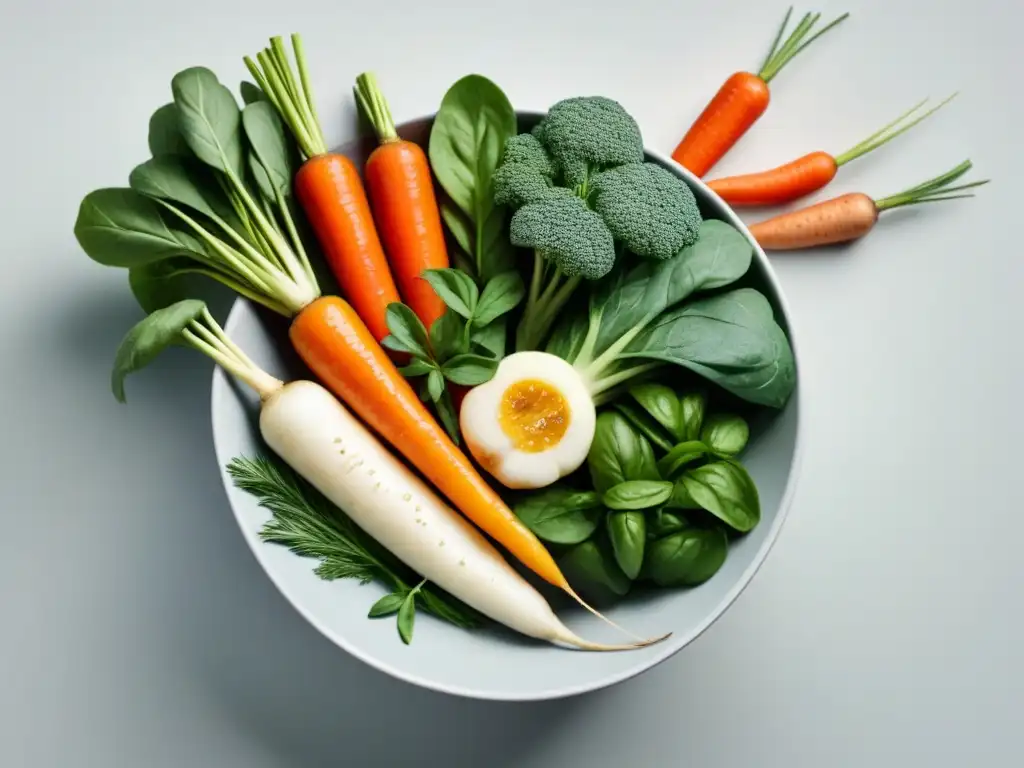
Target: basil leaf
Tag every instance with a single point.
(681, 455)
(455, 288)
(731, 339)
(251, 93)
(446, 412)
(661, 403)
(725, 434)
(645, 425)
(469, 370)
(681, 498)
(407, 617)
(164, 134)
(407, 332)
(618, 453)
(118, 227)
(627, 532)
(435, 384)
(592, 571)
(662, 523)
(560, 515)
(447, 337)
(387, 605)
(687, 558)
(637, 494)
(691, 415)
(149, 338)
(501, 294)
(269, 141)
(726, 490)
(418, 367)
(209, 119)
(467, 138)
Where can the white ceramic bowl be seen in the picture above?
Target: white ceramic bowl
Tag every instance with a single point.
(492, 663)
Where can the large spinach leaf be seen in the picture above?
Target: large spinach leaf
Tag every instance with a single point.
(732, 339)
(619, 453)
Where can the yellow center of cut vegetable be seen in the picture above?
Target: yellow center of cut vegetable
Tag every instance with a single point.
(533, 415)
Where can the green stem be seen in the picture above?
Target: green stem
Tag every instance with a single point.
(291, 96)
(307, 84)
(932, 190)
(262, 382)
(293, 233)
(280, 56)
(795, 43)
(375, 107)
(603, 386)
(778, 38)
(883, 136)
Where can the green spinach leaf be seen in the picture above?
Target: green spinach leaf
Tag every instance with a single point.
(726, 490)
(661, 403)
(275, 154)
(731, 339)
(251, 93)
(681, 455)
(164, 135)
(687, 558)
(637, 494)
(591, 569)
(209, 119)
(159, 284)
(726, 434)
(561, 515)
(181, 180)
(627, 531)
(618, 453)
(644, 424)
(691, 415)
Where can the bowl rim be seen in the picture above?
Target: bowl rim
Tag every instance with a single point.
(668, 648)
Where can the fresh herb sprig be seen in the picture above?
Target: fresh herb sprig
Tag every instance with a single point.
(311, 526)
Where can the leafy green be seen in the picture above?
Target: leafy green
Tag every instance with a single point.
(251, 92)
(691, 415)
(618, 453)
(407, 614)
(309, 525)
(681, 498)
(467, 138)
(637, 494)
(726, 490)
(731, 339)
(627, 531)
(591, 569)
(561, 515)
(164, 134)
(447, 337)
(147, 339)
(180, 180)
(681, 454)
(469, 370)
(661, 523)
(158, 284)
(209, 119)
(407, 333)
(271, 147)
(455, 288)
(500, 295)
(687, 558)
(387, 605)
(661, 403)
(644, 424)
(725, 433)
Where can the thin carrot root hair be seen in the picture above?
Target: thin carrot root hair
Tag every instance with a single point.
(640, 641)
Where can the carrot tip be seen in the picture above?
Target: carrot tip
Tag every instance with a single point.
(640, 641)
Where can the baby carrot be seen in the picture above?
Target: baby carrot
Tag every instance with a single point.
(851, 216)
(405, 207)
(329, 189)
(809, 173)
(742, 99)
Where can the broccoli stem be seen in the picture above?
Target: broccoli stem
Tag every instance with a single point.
(549, 291)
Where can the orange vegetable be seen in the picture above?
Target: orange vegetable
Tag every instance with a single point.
(852, 215)
(805, 174)
(741, 100)
(405, 207)
(330, 191)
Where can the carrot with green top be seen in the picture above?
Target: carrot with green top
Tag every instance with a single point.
(405, 207)
(742, 99)
(329, 189)
(809, 173)
(851, 216)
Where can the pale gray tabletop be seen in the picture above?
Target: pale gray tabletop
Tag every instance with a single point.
(137, 630)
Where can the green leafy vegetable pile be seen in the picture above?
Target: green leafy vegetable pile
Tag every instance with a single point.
(666, 492)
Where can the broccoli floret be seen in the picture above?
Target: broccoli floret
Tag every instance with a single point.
(647, 208)
(526, 172)
(567, 232)
(587, 134)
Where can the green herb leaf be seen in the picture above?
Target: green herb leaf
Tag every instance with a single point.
(726, 490)
(407, 332)
(149, 338)
(164, 134)
(661, 523)
(447, 336)
(627, 532)
(455, 288)
(446, 412)
(618, 453)
(680, 455)
(407, 618)
(687, 558)
(501, 294)
(269, 140)
(469, 370)
(591, 569)
(209, 119)
(418, 367)
(637, 494)
(118, 227)
(691, 415)
(458, 225)
(387, 605)
(731, 339)
(661, 403)
(435, 384)
(561, 515)
(681, 498)
(726, 434)
(644, 424)
(491, 337)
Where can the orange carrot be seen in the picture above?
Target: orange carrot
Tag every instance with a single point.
(405, 207)
(329, 189)
(851, 216)
(338, 348)
(806, 174)
(741, 100)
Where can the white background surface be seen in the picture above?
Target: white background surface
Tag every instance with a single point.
(885, 627)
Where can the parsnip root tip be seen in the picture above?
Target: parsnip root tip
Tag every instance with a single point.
(640, 640)
(570, 638)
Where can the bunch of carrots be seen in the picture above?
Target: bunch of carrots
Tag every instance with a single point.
(741, 101)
